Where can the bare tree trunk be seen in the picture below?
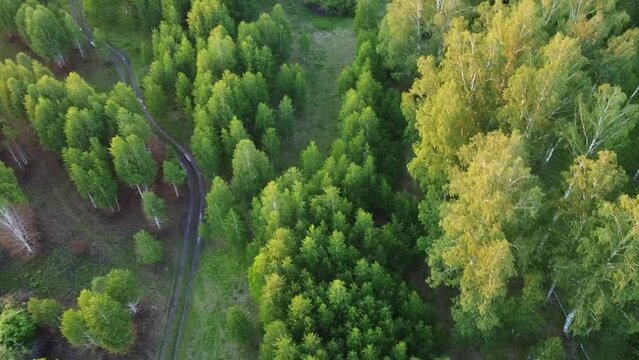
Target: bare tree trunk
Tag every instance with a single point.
(77, 44)
(92, 201)
(15, 158)
(177, 194)
(569, 319)
(134, 307)
(157, 222)
(17, 231)
(21, 154)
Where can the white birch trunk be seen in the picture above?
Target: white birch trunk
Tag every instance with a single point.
(20, 235)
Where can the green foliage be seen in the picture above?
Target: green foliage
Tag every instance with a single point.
(98, 321)
(206, 15)
(17, 329)
(493, 182)
(251, 170)
(44, 32)
(154, 208)
(508, 94)
(45, 312)
(233, 135)
(272, 31)
(367, 15)
(550, 349)
(102, 11)
(147, 249)
(129, 123)
(219, 202)
(310, 160)
(291, 81)
(271, 144)
(8, 10)
(118, 284)
(81, 127)
(264, 118)
(132, 161)
(285, 117)
(10, 191)
(92, 174)
(235, 231)
(173, 174)
(238, 325)
(155, 97)
(219, 55)
(335, 7)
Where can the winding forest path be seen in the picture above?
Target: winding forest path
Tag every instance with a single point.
(178, 306)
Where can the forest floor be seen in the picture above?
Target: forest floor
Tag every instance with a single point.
(80, 243)
(221, 279)
(67, 223)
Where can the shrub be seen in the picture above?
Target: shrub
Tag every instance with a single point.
(16, 328)
(147, 249)
(238, 325)
(45, 312)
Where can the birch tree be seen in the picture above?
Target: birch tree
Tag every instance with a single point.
(92, 174)
(133, 162)
(153, 207)
(47, 35)
(495, 201)
(147, 249)
(605, 287)
(580, 269)
(173, 175)
(219, 202)
(73, 30)
(602, 122)
(98, 321)
(251, 170)
(18, 234)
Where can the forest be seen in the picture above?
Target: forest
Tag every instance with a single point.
(319, 179)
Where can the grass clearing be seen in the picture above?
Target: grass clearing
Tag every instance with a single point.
(178, 124)
(333, 47)
(128, 35)
(332, 51)
(219, 283)
(95, 71)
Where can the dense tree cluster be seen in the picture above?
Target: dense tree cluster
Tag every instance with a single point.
(514, 102)
(48, 29)
(324, 277)
(100, 136)
(103, 317)
(522, 117)
(229, 74)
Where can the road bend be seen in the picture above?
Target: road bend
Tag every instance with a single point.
(182, 287)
